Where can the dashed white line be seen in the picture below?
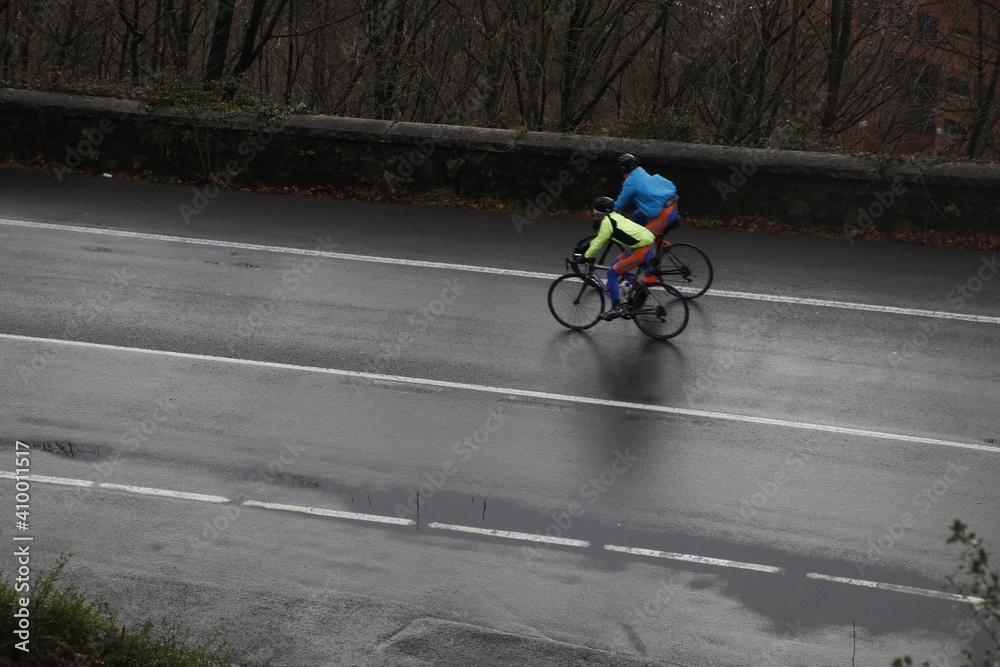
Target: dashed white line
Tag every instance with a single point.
(721, 562)
(897, 588)
(65, 481)
(336, 514)
(506, 391)
(163, 493)
(772, 298)
(510, 535)
(488, 532)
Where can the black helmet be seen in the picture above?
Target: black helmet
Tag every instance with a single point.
(604, 205)
(627, 162)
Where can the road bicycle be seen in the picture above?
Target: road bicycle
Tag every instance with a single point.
(680, 265)
(577, 301)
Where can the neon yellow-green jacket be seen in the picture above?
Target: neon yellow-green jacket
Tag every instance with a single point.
(623, 231)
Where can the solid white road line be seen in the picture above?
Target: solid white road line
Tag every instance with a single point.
(506, 391)
(773, 298)
(527, 537)
(850, 305)
(721, 562)
(329, 254)
(337, 514)
(897, 588)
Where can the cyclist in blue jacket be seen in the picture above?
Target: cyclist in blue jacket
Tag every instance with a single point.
(654, 197)
(625, 232)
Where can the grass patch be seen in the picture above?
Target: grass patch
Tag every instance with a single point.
(227, 98)
(71, 628)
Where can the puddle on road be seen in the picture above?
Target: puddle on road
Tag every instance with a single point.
(764, 593)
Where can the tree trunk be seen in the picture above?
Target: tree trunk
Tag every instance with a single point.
(985, 94)
(389, 49)
(251, 47)
(841, 25)
(219, 46)
(69, 35)
(250, 38)
(181, 28)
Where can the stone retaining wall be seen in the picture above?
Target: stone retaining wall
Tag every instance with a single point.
(534, 169)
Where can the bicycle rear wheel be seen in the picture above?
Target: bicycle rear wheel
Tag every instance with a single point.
(576, 301)
(685, 268)
(659, 310)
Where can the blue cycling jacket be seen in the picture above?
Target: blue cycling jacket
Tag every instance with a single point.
(649, 192)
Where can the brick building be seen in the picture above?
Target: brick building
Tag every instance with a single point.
(939, 60)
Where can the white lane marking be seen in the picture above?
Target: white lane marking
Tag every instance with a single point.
(721, 562)
(374, 518)
(897, 588)
(163, 493)
(773, 298)
(281, 249)
(505, 391)
(510, 535)
(337, 514)
(850, 305)
(49, 480)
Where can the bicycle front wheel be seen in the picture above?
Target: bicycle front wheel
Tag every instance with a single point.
(659, 310)
(685, 268)
(576, 301)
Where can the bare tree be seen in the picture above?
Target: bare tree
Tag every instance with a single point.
(182, 25)
(970, 54)
(880, 75)
(252, 48)
(130, 16)
(841, 43)
(577, 65)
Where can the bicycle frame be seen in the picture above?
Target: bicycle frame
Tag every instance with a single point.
(627, 283)
(681, 265)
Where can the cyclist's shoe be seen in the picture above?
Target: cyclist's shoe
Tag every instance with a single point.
(613, 313)
(648, 279)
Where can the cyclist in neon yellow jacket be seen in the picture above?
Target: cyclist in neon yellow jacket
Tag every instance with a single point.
(615, 226)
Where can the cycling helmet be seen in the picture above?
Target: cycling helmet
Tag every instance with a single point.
(604, 205)
(627, 162)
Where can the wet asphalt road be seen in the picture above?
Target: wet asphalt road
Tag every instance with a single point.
(274, 399)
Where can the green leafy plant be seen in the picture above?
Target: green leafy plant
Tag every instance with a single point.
(454, 165)
(978, 579)
(69, 628)
(227, 99)
(975, 579)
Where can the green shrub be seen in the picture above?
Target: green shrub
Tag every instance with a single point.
(69, 628)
